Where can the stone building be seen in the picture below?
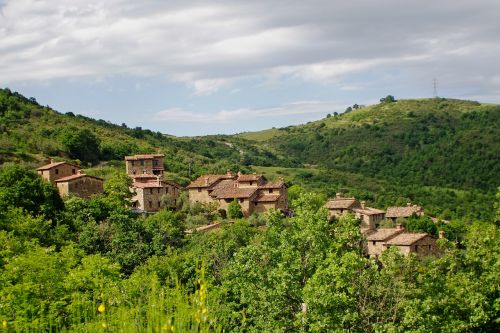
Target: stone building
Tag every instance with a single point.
(375, 241)
(404, 212)
(370, 217)
(148, 164)
(80, 184)
(253, 192)
(340, 205)
(56, 170)
(151, 196)
(422, 244)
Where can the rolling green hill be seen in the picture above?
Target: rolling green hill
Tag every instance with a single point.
(441, 153)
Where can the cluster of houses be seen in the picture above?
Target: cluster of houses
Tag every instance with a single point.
(255, 194)
(379, 239)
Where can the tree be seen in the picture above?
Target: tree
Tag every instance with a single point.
(23, 188)
(117, 190)
(234, 210)
(388, 99)
(81, 144)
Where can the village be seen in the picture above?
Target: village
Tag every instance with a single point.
(254, 194)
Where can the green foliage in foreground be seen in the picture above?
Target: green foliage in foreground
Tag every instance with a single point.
(97, 268)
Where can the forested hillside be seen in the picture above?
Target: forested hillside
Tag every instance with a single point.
(433, 142)
(29, 133)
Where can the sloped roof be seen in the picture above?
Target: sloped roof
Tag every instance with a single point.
(228, 192)
(384, 234)
(73, 177)
(268, 197)
(403, 211)
(368, 211)
(272, 185)
(406, 238)
(341, 203)
(155, 184)
(249, 178)
(56, 164)
(143, 157)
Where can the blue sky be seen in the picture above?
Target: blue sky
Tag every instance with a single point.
(198, 67)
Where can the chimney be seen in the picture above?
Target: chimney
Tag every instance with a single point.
(441, 234)
(363, 203)
(399, 226)
(206, 180)
(52, 161)
(80, 172)
(338, 195)
(229, 173)
(239, 173)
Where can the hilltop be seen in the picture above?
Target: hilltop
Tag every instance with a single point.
(433, 142)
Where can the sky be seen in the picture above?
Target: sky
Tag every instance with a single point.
(220, 67)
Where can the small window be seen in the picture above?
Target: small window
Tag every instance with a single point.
(159, 203)
(73, 171)
(133, 163)
(151, 204)
(142, 162)
(251, 183)
(57, 171)
(242, 200)
(373, 242)
(270, 190)
(150, 191)
(155, 162)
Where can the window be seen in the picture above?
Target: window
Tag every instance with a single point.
(242, 200)
(373, 242)
(133, 163)
(73, 171)
(155, 162)
(416, 248)
(270, 190)
(251, 183)
(159, 204)
(57, 171)
(150, 191)
(151, 204)
(142, 162)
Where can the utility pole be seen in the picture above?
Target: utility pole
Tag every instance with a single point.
(435, 83)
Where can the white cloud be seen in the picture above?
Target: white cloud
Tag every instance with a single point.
(314, 109)
(210, 47)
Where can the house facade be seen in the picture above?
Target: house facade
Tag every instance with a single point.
(155, 195)
(254, 193)
(148, 164)
(151, 191)
(56, 170)
(370, 217)
(80, 184)
(340, 205)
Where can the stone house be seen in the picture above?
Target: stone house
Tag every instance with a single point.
(56, 170)
(80, 184)
(149, 196)
(339, 205)
(148, 164)
(404, 212)
(370, 217)
(375, 241)
(421, 244)
(253, 192)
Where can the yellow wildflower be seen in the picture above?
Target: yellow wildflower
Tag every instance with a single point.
(101, 308)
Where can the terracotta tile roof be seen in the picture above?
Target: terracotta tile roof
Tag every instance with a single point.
(143, 157)
(53, 165)
(341, 203)
(368, 211)
(228, 192)
(384, 234)
(155, 184)
(406, 238)
(266, 197)
(72, 177)
(272, 185)
(208, 180)
(404, 211)
(249, 178)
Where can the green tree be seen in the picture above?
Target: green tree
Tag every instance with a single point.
(118, 190)
(234, 210)
(81, 144)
